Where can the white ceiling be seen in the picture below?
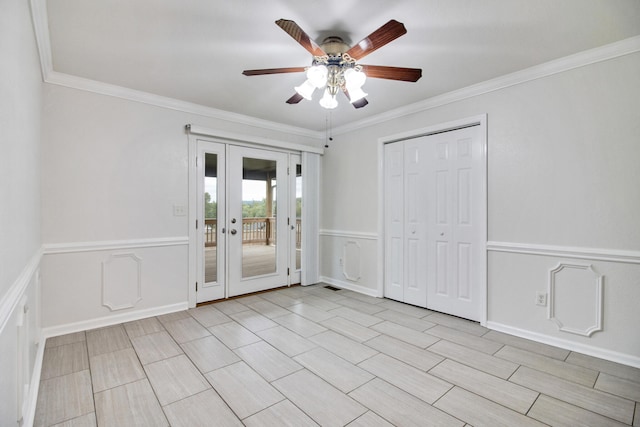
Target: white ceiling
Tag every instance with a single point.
(196, 50)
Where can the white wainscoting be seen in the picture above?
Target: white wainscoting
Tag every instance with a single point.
(96, 284)
(21, 341)
(348, 260)
(592, 296)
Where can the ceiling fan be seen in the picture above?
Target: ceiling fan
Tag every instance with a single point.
(335, 67)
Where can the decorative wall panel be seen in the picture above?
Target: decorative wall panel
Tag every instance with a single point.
(351, 261)
(121, 281)
(575, 299)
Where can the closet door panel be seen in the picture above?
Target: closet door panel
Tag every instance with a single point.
(394, 222)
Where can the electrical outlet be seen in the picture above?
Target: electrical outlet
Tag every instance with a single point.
(541, 298)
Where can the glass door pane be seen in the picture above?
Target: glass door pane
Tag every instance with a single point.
(295, 218)
(259, 205)
(298, 216)
(210, 217)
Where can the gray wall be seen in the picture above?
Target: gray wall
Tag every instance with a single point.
(20, 119)
(563, 174)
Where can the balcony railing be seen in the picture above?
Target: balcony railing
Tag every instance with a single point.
(254, 231)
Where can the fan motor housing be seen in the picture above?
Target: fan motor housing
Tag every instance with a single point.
(334, 45)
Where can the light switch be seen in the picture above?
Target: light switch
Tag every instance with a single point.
(179, 210)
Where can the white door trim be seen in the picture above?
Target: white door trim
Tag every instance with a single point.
(480, 120)
(310, 156)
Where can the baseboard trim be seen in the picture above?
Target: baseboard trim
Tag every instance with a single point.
(613, 356)
(101, 322)
(110, 245)
(596, 254)
(350, 286)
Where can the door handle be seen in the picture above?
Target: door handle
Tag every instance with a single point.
(233, 231)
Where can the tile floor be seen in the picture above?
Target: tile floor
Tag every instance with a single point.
(312, 356)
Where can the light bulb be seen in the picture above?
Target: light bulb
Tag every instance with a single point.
(328, 101)
(317, 75)
(355, 94)
(306, 89)
(354, 78)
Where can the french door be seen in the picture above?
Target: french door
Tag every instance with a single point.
(244, 220)
(257, 241)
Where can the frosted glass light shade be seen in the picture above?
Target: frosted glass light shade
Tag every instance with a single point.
(328, 101)
(317, 75)
(356, 94)
(354, 78)
(306, 89)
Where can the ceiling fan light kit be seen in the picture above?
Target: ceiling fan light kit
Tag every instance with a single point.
(334, 66)
(333, 72)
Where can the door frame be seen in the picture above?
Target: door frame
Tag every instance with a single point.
(479, 120)
(195, 133)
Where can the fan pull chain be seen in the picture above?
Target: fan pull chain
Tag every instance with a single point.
(329, 130)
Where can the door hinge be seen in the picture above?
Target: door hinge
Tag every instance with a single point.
(196, 224)
(196, 286)
(287, 272)
(288, 173)
(288, 221)
(196, 161)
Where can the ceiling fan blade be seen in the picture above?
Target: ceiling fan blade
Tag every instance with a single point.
(380, 37)
(357, 104)
(298, 34)
(392, 73)
(273, 71)
(295, 99)
(360, 103)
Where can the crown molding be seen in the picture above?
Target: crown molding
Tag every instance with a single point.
(74, 82)
(40, 23)
(41, 30)
(580, 59)
(591, 56)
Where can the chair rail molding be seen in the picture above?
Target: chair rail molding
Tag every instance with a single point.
(348, 234)
(109, 245)
(13, 296)
(595, 254)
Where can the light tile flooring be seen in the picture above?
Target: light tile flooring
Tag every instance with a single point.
(312, 356)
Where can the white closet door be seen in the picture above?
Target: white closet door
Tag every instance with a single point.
(455, 233)
(415, 223)
(434, 235)
(394, 221)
